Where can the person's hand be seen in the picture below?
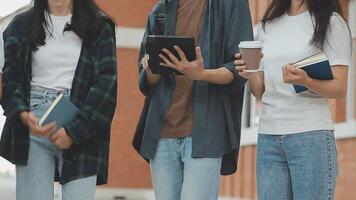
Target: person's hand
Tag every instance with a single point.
(61, 139)
(144, 62)
(152, 78)
(195, 69)
(241, 67)
(293, 75)
(31, 121)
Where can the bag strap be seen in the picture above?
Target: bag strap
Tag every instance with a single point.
(161, 18)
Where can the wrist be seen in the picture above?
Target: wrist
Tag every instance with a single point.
(69, 135)
(204, 76)
(24, 116)
(150, 74)
(308, 82)
(148, 70)
(253, 76)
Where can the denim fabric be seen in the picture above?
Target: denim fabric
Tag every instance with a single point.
(35, 180)
(300, 166)
(178, 176)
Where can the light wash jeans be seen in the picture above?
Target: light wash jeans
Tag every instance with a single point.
(178, 176)
(300, 166)
(35, 181)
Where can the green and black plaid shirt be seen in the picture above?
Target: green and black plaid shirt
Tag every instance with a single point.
(93, 91)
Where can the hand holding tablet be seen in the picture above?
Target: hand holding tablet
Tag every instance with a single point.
(155, 46)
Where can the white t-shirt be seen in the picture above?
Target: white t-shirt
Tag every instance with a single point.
(54, 64)
(287, 39)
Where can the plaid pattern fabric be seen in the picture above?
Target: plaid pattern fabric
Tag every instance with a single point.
(94, 92)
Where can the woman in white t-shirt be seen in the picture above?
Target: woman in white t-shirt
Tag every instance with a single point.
(297, 156)
(59, 49)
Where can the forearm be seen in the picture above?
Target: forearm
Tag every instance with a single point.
(23, 116)
(257, 86)
(331, 89)
(220, 76)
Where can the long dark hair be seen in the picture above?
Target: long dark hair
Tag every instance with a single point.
(321, 10)
(86, 21)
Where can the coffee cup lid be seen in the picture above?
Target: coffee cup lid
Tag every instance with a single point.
(250, 44)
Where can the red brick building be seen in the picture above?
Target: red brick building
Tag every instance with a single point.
(129, 171)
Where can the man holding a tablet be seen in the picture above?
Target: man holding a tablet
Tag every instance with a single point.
(190, 125)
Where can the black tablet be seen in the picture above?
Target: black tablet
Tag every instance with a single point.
(155, 44)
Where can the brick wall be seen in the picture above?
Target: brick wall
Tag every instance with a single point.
(127, 169)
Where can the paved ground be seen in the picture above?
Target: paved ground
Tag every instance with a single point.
(7, 187)
(7, 192)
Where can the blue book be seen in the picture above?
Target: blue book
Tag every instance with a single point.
(62, 112)
(316, 66)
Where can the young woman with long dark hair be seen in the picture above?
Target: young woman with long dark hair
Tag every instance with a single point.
(59, 46)
(296, 156)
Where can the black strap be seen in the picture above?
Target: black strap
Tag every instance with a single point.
(161, 18)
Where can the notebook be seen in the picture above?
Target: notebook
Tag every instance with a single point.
(62, 111)
(155, 44)
(316, 66)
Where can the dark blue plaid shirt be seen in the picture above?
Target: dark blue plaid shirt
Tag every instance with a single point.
(93, 91)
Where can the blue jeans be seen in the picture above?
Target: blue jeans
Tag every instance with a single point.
(300, 166)
(35, 181)
(178, 176)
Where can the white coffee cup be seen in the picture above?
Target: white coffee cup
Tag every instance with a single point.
(251, 53)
